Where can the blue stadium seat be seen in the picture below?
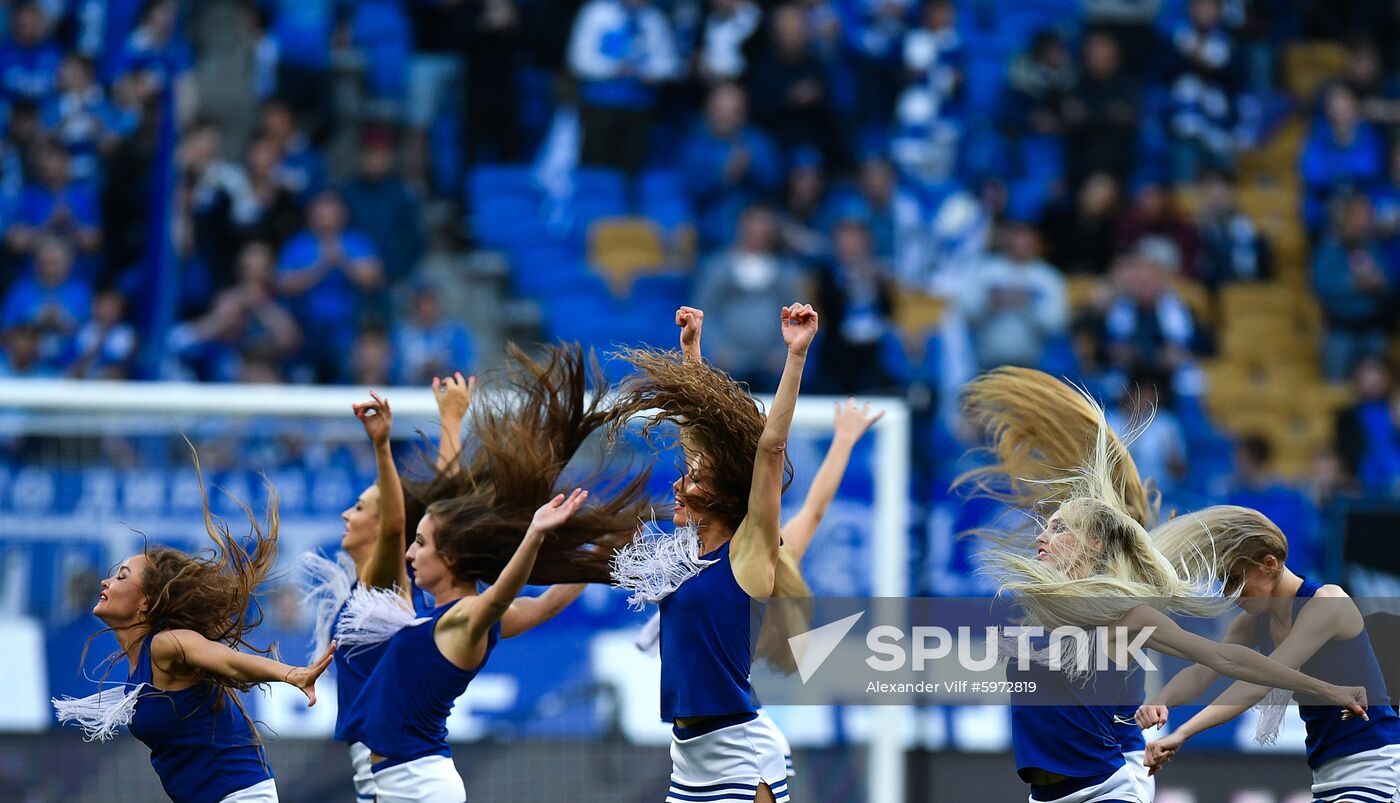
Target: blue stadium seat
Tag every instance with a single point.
(540, 268)
(660, 291)
(600, 184)
(491, 182)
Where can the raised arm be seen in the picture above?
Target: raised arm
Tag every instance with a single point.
(526, 613)
(182, 652)
(754, 548)
(454, 396)
(1192, 682)
(851, 424)
(474, 621)
(1316, 625)
(1237, 661)
(691, 320)
(386, 567)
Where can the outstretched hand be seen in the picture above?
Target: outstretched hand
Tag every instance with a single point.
(799, 327)
(853, 421)
(558, 510)
(453, 395)
(1161, 751)
(691, 320)
(304, 678)
(377, 418)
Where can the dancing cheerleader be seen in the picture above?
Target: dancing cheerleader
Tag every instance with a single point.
(850, 425)
(1300, 623)
(491, 531)
(183, 624)
(373, 555)
(714, 574)
(1095, 565)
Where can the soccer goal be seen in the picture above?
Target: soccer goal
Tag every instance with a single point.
(94, 469)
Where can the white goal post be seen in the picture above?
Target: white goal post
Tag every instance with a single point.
(885, 781)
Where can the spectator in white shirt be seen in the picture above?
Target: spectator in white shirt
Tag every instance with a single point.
(1015, 303)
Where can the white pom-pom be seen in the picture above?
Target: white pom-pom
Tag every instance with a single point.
(373, 616)
(327, 587)
(649, 637)
(1271, 710)
(100, 714)
(656, 563)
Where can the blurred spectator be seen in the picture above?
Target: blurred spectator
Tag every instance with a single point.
(245, 324)
(1016, 303)
(873, 36)
(1376, 90)
(428, 345)
(1385, 204)
(106, 345)
(1159, 450)
(897, 229)
(620, 51)
(804, 204)
(728, 27)
(435, 71)
(303, 31)
(156, 59)
(1255, 485)
(380, 31)
(856, 297)
(28, 61)
(279, 214)
(933, 52)
(1355, 288)
(793, 85)
(1342, 153)
(1327, 479)
(55, 205)
(302, 168)
(1379, 466)
(1361, 429)
(727, 165)
(736, 288)
(1101, 114)
(1081, 236)
(53, 302)
(1201, 104)
(1130, 23)
(326, 271)
(81, 118)
(1037, 83)
(1232, 248)
(1153, 214)
(222, 203)
(492, 84)
(382, 207)
(371, 358)
(1148, 326)
(20, 357)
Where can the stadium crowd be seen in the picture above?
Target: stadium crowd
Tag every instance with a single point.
(1060, 178)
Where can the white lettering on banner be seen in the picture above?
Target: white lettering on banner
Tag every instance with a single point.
(99, 492)
(32, 490)
(143, 492)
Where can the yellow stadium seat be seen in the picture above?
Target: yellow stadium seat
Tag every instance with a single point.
(1084, 292)
(1197, 299)
(621, 248)
(916, 314)
(1307, 65)
(1241, 300)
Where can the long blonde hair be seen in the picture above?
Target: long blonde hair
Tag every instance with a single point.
(1221, 541)
(1102, 498)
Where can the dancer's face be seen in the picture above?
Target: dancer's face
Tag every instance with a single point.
(429, 569)
(361, 522)
(1060, 546)
(685, 484)
(1255, 585)
(121, 601)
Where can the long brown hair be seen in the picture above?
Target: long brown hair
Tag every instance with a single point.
(719, 424)
(526, 428)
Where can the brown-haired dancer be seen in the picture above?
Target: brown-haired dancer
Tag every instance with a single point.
(372, 555)
(851, 423)
(712, 576)
(183, 623)
(492, 529)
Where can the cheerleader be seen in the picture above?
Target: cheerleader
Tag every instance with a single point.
(475, 536)
(1093, 565)
(714, 574)
(1300, 623)
(373, 555)
(183, 624)
(850, 425)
